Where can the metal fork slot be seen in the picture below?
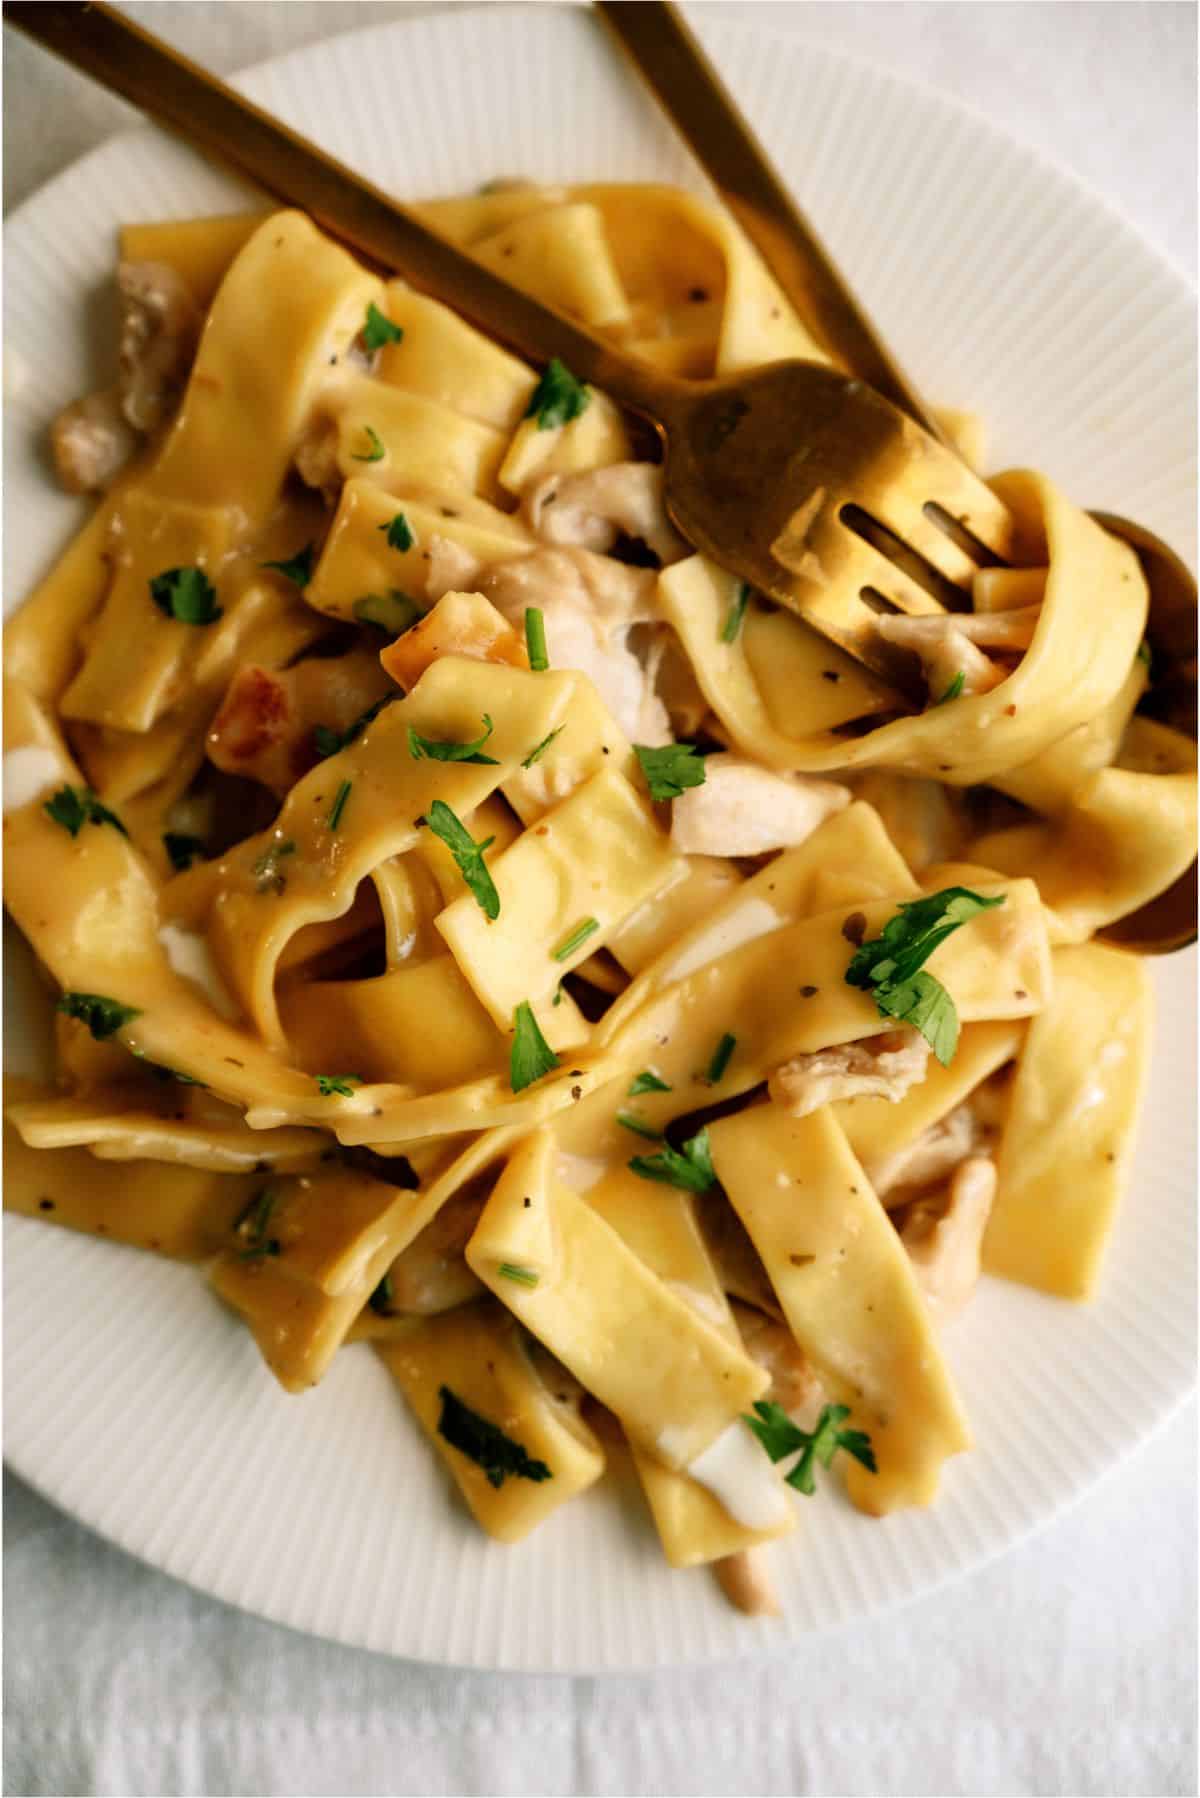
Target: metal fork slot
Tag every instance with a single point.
(949, 596)
(966, 540)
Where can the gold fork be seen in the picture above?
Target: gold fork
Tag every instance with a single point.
(801, 480)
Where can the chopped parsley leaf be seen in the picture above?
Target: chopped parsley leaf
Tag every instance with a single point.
(376, 451)
(400, 533)
(672, 769)
(629, 1122)
(186, 594)
(577, 938)
(691, 1168)
(340, 1084)
(721, 1058)
(485, 1444)
(393, 611)
(521, 1276)
(73, 807)
(339, 805)
(735, 614)
(300, 568)
(532, 1056)
(103, 1017)
(954, 689)
(646, 1082)
(468, 855)
(781, 1438)
(379, 330)
(328, 742)
(434, 750)
(251, 1226)
(535, 640)
(889, 966)
(539, 750)
(182, 850)
(558, 397)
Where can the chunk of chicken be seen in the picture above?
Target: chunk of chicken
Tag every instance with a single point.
(950, 644)
(932, 1157)
(943, 1236)
(744, 1579)
(91, 441)
(744, 809)
(593, 509)
(883, 1067)
(431, 1275)
(460, 624)
(590, 604)
(794, 1384)
(316, 458)
(266, 727)
(160, 328)
(450, 568)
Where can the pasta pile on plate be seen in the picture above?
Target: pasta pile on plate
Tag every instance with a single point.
(483, 928)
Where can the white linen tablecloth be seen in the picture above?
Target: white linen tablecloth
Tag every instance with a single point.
(1068, 1667)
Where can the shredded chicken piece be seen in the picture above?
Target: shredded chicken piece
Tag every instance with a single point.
(450, 567)
(950, 644)
(794, 1383)
(460, 624)
(265, 727)
(933, 1156)
(590, 603)
(745, 809)
(160, 327)
(943, 1236)
(430, 1275)
(91, 441)
(746, 1584)
(593, 509)
(316, 457)
(883, 1067)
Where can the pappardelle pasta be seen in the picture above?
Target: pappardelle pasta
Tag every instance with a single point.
(484, 930)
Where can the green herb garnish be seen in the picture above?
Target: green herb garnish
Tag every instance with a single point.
(340, 1084)
(735, 614)
(251, 1226)
(646, 1082)
(338, 806)
(889, 966)
(535, 640)
(182, 850)
(329, 742)
(266, 866)
(954, 689)
(434, 750)
(393, 611)
(399, 532)
(558, 397)
(539, 750)
(468, 855)
(300, 568)
(521, 1276)
(629, 1122)
(379, 329)
(720, 1060)
(485, 1444)
(73, 807)
(376, 452)
(103, 1017)
(577, 938)
(781, 1438)
(672, 769)
(690, 1167)
(1145, 655)
(186, 594)
(532, 1056)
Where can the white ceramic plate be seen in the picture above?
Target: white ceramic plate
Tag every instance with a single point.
(133, 1401)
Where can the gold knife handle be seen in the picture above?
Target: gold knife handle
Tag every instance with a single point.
(667, 54)
(101, 42)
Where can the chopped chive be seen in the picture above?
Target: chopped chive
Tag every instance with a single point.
(735, 614)
(536, 754)
(646, 1082)
(377, 452)
(339, 804)
(577, 938)
(720, 1060)
(522, 1276)
(535, 640)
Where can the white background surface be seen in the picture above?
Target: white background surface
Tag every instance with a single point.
(1069, 1667)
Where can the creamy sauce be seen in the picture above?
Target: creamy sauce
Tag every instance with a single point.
(579, 1172)
(189, 957)
(738, 1474)
(28, 773)
(752, 919)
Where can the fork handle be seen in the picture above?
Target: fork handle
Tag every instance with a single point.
(109, 47)
(667, 54)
